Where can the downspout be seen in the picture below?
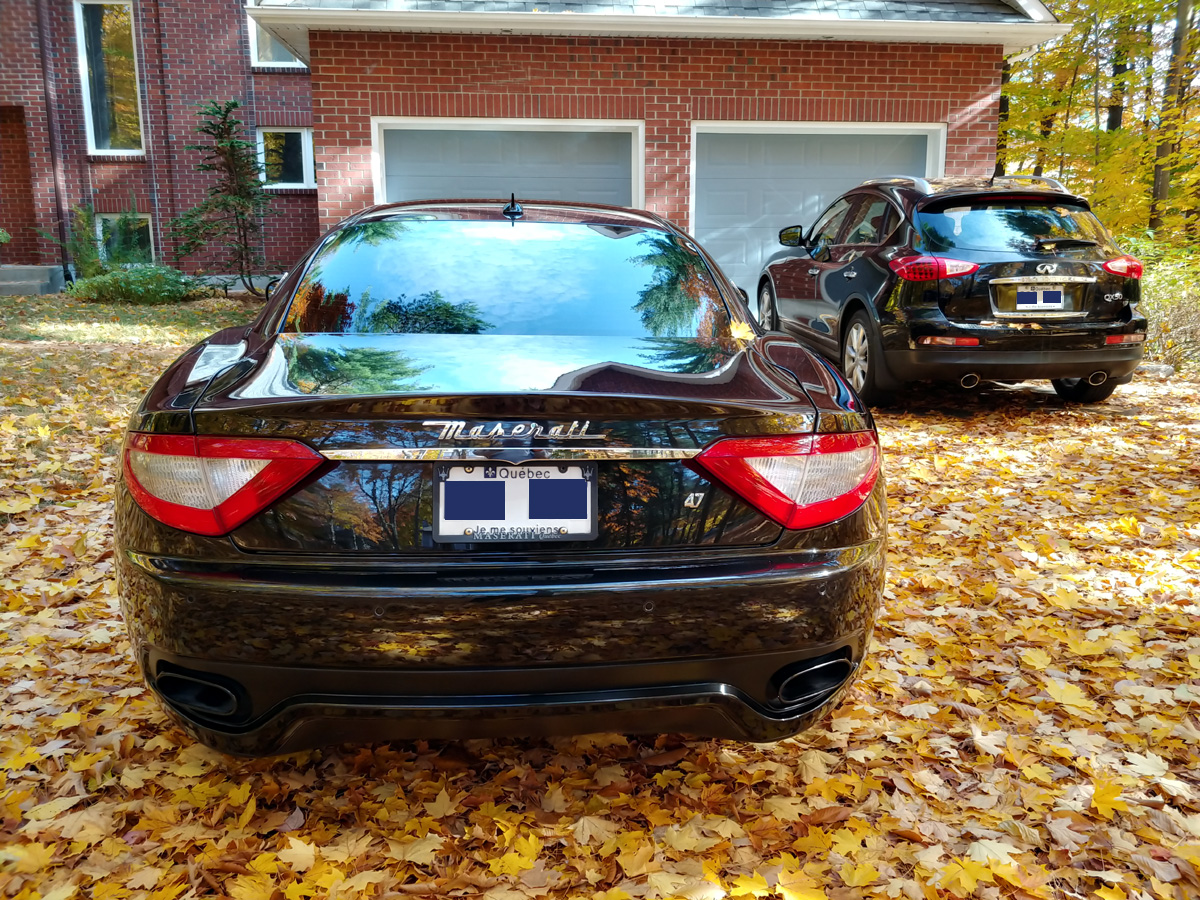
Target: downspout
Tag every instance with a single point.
(50, 90)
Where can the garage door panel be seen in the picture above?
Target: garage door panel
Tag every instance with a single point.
(780, 180)
(590, 167)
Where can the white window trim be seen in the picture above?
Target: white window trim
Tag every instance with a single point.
(252, 33)
(935, 146)
(101, 218)
(634, 127)
(86, 93)
(306, 145)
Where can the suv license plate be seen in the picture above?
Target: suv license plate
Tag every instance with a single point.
(502, 502)
(1045, 297)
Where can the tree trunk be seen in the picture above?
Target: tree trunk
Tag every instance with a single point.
(1002, 122)
(1120, 66)
(1168, 121)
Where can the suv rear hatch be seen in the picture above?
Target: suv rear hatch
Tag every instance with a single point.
(1041, 258)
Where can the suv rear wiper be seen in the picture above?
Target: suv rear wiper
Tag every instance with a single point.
(1044, 243)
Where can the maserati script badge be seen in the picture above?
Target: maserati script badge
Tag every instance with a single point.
(458, 431)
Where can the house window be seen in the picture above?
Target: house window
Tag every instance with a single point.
(108, 67)
(125, 238)
(266, 49)
(286, 155)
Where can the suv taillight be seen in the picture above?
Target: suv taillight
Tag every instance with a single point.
(211, 485)
(1128, 266)
(930, 268)
(799, 481)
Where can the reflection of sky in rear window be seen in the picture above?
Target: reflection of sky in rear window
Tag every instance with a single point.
(531, 278)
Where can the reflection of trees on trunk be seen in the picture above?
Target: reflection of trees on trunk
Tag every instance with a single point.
(686, 355)
(349, 370)
(645, 507)
(430, 313)
(389, 488)
(669, 304)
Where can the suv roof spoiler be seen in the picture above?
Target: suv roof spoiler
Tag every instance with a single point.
(919, 183)
(1051, 183)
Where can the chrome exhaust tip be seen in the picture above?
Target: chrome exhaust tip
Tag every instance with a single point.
(1097, 378)
(804, 686)
(970, 380)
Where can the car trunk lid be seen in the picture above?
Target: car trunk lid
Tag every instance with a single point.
(391, 412)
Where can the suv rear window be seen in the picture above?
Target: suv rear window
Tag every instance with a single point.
(418, 275)
(1005, 224)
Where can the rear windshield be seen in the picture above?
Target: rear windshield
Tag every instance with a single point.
(1006, 225)
(409, 275)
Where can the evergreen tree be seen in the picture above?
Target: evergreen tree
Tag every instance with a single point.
(231, 216)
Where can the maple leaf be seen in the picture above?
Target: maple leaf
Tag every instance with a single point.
(1106, 798)
(422, 851)
(858, 875)
(299, 855)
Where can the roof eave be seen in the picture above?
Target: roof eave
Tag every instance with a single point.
(292, 24)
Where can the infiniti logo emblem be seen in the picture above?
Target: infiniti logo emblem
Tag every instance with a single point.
(1047, 268)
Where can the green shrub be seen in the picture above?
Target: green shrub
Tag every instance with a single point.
(1170, 302)
(141, 284)
(4, 237)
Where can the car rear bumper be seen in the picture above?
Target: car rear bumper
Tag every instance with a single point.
(313, 708)
(310, 654)
(950, 364)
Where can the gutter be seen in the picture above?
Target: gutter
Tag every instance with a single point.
(292, 24)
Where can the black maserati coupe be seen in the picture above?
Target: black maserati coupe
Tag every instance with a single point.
(479, 469)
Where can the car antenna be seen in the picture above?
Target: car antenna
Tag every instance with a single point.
(513, 211)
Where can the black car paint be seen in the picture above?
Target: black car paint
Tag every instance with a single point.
(324, 636)
(817, 308)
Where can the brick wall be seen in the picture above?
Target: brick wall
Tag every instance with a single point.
(187, 53)
(16, 189)
(666, 83)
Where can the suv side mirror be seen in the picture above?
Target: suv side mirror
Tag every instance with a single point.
(793, 236)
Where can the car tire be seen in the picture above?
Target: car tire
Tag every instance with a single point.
(765, 311)
(861, 359)
(1077, 390)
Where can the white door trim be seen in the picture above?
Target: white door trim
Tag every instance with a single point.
(935, 146)
(634, 127)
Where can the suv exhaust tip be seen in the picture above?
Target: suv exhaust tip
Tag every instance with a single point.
(1097, 378)
(970, 380)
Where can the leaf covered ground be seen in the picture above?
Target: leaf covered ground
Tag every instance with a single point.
(1028, 724)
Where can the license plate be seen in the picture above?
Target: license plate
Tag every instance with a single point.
(1043, 298)
(501, 502)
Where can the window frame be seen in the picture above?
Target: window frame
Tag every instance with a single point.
(865, 204)
(252, 35)
(306, 150)
(101, 218)
(86, 86)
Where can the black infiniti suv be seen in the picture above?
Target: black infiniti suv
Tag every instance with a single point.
(903, 279)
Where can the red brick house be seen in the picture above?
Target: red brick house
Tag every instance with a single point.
(731, 117)
(97, 105)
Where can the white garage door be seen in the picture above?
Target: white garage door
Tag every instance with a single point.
(748, 186)
(580, 166)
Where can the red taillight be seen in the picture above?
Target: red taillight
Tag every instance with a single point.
(930, 268)
(211, 485)
(940, 341)
(1128, 266)
(799, 481)
(1125, 338)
